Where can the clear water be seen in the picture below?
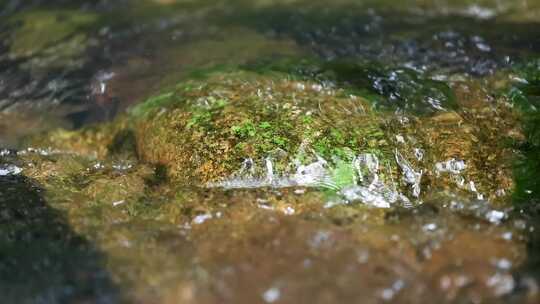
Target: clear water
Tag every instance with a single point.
(79, 227)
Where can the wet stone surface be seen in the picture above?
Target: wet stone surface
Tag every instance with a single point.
(262, 151)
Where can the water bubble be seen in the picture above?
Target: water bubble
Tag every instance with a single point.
(289, 210)
(480, 12)
(504, 264)
(365, 195)
(271, 295)
(320, 238)
(495, 216)
(501, 283)
(481, 44)
(122, 166)
(419, 154)
(362, 256)
(507, 236)
(454, 166)
(410, 176)
(199, 219)
(429, 227)
(118, 203)
(388, 294)
(98, 166)
(299, 191)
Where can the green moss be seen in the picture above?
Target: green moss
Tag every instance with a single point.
(527, 97)
(264, 135)
(343, 174)
(345, 143)
(160, 100)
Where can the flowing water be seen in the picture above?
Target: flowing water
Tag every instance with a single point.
(269, 151)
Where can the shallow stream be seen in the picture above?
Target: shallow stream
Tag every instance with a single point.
(269, 151)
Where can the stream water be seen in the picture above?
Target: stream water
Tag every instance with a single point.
(269, 151)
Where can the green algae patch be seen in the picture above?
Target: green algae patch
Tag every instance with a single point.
(39, 30)
(525, 95)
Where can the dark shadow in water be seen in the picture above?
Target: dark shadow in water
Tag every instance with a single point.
(41, 259)
(8, 7)
(448, 44)
(392, 54)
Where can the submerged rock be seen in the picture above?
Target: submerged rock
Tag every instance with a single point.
(205, 129)
(238, 128)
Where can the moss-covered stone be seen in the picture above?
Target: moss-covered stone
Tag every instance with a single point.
(204, 129)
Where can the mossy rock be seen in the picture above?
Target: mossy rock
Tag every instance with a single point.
(203, 130)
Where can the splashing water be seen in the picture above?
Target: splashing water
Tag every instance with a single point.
(357, 181)
(10, 170)
(410, 176)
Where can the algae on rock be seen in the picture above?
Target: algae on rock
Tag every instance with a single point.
(204, 129)
(525, 95)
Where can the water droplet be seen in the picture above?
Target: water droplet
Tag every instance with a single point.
(429, 227)
(118, 203)
(288, 210)
(454, 166)
(199, 219)
(501, 283)
(271, 295)
(495, 216)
